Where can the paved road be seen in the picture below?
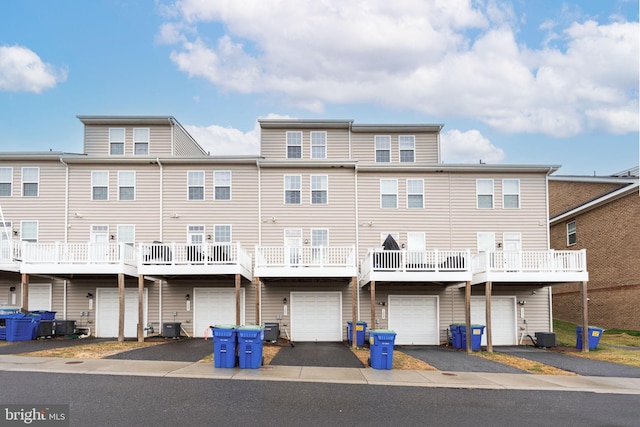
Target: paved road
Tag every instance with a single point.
(110, 400)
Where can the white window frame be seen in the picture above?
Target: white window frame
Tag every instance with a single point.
(114, 141)
(6, 177)
(126, 179)
(382, 143)
(26, 179)
(485, 241)
(29, 238)
(572, 231)
(221, 238)
(192, 184)
(290, 187)
(319, 245)
(196, 231)
(510, 193)
(383, 193)
(480, 192)
(126, 234)
(296, 144)
(407, 143)
(95, 184)
(319, 187)
(141, 138)
(219, 181)
(410, 192)
(319, 144)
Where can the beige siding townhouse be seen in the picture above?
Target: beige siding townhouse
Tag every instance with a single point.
(333, 222)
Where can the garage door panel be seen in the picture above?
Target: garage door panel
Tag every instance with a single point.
(108, 312)
(316, 316)
(503, 319)
(414, 318)
(215, 306)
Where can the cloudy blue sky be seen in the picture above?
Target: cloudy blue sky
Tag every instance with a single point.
(514, 81)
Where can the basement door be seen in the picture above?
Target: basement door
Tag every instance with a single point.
(503, 319)
(107, 312)
(414, 318)
(215, 306)
(316, 316)
(39, 296)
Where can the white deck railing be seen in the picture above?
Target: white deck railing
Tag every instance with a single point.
(530, 261)
(282, 256)
(193, 254)
(78, 253)
(10, 251)
(416, 261)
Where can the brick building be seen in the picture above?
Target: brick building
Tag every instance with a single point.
(601, 215)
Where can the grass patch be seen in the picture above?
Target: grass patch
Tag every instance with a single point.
(400, 360)
(523, 364)
(92, 350)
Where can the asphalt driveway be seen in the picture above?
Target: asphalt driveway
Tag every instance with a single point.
(180, 350)
(48, 344)
(579, 365)
(323, 354)
(449, 359)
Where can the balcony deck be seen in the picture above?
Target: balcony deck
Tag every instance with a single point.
(10, 256)
(281, 261)
(438, 266)
(191, 259)
(546, 267)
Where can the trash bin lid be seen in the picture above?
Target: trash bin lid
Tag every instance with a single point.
(224, 326)
(250, 327)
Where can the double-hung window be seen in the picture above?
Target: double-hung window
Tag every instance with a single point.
(126, 185)
(484, 193)
(407, 146)
(294, 145)
(30, 182)
(6, 182)
(318, 145)
(511, 193)
(195, 183)
(383, 148)
(222, 185)
(116, 141)
(292, 189)
(572, 236)
(100, 185)
(141, 141)
(319, 189)
(388, 193)
(415, 193)
(29, 231)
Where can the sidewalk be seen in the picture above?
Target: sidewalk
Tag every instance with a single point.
(364, 376)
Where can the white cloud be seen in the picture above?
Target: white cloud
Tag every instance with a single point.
(468, 147)
(446, 58)
(22, 70)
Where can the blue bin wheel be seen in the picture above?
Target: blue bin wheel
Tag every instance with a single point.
(369, 361)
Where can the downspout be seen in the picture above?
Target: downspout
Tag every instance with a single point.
(160, 305)
(161, 238)
(66, 202)
(172, 146)
(259, 203)
(548, 231)
(357, 254)
(64, 300)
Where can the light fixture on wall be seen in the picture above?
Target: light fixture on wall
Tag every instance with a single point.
(89, 295)
(273, 219)
(187, 297)
(175, 216)
(188, 302)
(112, 237)
(15, 232)
(533, 292)
(499, 245)
(77, 215)
(284, 300)
(306, 241)
(522, 302)
(208, 236)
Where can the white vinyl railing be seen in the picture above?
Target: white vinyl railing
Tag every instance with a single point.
(10, 251)
(282, 256)
(78, 253)
(530, 261)
(409, 261)
(194, 254)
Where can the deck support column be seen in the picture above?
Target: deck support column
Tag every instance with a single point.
(141, 308)
(25, 292)
(258, 290)
(487, 295)
(238, 280)
(585, 317)
(354, 312)
(120, 307)
(467, 313)
(373, 304)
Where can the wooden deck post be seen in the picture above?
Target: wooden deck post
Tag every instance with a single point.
(585, 317)
(238, 280)
(487, 295)
(141, 324)
(25, 292)
(120, 307)
(258, 320)
(373, 305)
(467, 313)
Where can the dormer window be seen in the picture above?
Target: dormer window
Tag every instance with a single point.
(294, 145)
(116, 141)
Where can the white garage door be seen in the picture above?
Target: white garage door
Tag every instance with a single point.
(503, 319)
(39, 297)
(215, 306)
(107, 312)
(316, 316)
(414, 318)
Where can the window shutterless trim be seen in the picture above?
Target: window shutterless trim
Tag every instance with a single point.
(478, 193)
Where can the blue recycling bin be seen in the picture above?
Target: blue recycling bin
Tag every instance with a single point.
(4, 319)
(21, 329)
(224, 346)
(476, 336)
(361, 328)
(381, 348)
(250, 340)
(594, 337)
(456, 338)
